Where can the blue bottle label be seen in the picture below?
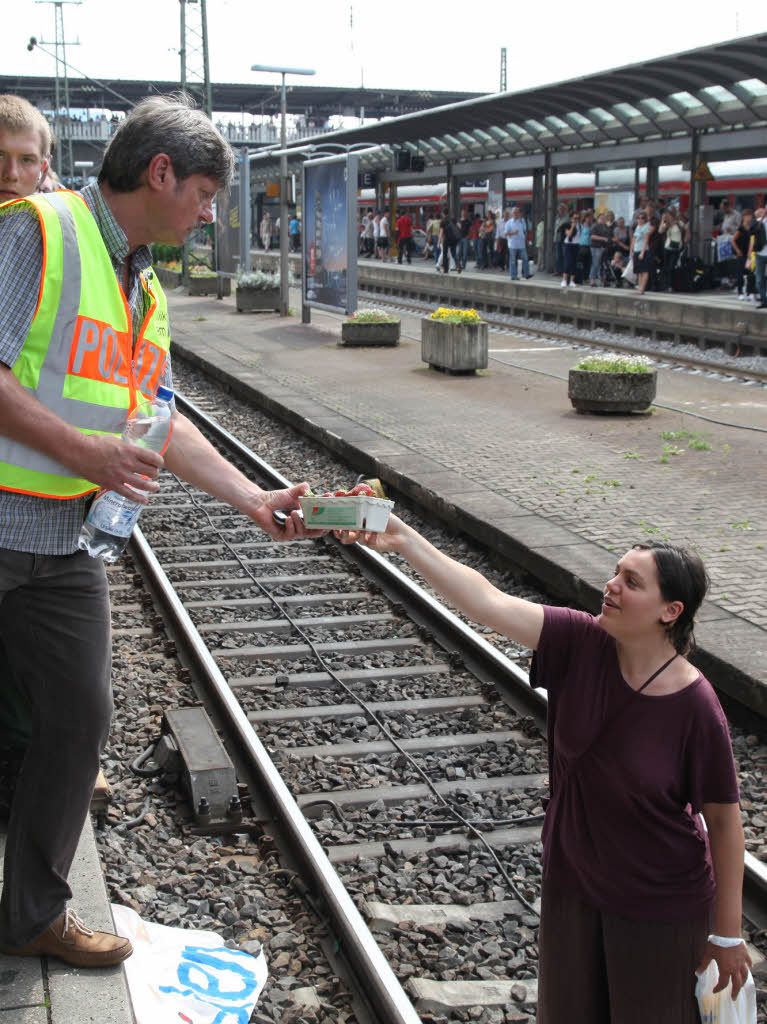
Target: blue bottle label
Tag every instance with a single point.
(114, 514)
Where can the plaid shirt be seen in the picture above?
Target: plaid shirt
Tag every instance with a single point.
(51, 526)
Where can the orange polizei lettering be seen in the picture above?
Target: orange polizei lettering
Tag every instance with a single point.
(99, 352)
(150, 366)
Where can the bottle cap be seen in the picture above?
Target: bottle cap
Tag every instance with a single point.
(164, 394)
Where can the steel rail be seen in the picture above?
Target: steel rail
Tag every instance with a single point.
(423, 606)
(381, 986)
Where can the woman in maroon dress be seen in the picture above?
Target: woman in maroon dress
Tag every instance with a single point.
(636, 894)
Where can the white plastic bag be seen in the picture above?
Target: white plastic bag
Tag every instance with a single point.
(178, 974)
(720, 1007)
(628, 272)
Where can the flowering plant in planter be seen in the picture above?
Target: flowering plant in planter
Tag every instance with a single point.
(370, 326)
(372, 315)
(616, 363)
(259, 280)
(173, 265)
(612, 383)
(456, 316)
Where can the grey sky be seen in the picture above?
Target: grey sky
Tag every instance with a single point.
(392, 44)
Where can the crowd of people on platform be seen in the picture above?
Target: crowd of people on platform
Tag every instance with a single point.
(652, 251)
(648, 252)
(452, 242)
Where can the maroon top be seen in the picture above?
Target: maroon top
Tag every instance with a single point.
(628, 772)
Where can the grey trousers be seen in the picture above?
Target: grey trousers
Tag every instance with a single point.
(599, 968)
(56, 633)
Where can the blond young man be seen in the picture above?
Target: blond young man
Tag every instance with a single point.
(26, 141)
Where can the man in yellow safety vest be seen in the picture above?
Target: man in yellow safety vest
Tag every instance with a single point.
(83, 331)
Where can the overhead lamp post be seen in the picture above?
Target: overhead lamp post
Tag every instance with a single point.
(284, 296)
(84, 165)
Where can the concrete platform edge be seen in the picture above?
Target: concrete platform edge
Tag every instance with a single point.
(63, 994)
(563, 569)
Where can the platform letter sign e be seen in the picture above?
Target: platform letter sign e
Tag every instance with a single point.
(224, 979)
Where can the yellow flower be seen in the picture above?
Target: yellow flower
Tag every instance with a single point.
(456, 316)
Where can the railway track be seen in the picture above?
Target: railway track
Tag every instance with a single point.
(396, 759)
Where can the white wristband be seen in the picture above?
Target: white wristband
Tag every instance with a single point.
(724, 943)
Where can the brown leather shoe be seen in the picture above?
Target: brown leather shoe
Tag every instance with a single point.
(69, 940)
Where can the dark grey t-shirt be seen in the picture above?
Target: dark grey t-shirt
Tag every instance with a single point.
(629, 773)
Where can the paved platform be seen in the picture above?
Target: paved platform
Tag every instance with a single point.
(48, 991)
(503, 456)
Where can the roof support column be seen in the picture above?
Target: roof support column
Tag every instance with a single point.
(637, 195)
(651, 182)
(393, 214)
(698, 227)
(453, 191)
(537, 211)
(545, 258)
(245, 212)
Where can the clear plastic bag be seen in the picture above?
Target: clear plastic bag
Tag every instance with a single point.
(720, 1007)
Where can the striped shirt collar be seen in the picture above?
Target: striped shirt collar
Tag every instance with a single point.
(115, 239)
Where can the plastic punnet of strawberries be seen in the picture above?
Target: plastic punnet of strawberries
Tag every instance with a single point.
(358, 491)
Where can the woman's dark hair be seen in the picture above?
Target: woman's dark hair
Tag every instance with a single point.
(681, 577)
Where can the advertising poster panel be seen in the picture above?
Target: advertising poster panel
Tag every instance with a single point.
(329, 236)
(227, 228)
(621, 201)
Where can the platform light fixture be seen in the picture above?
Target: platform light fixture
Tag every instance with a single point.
(85, 166)
(270, 68)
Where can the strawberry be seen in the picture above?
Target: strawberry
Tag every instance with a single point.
(362, 489)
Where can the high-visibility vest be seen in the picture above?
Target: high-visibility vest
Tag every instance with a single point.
(78, 358)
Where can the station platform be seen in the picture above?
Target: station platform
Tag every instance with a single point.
(45, 990)
(503, 456)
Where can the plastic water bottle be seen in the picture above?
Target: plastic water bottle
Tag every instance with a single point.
(111, 518)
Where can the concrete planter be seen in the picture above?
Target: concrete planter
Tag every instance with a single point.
(597, 391)
(207, 285)
(257, 300)
(368, 333)
(457, 348)
(168, 278)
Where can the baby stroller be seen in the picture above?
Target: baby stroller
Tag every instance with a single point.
(611, 270)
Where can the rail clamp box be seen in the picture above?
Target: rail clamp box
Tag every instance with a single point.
(348, 513)
(206, 770)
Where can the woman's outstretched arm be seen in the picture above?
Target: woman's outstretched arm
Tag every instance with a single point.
(462, 587)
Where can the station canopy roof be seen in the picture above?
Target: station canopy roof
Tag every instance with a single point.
(318, 101)
(714, 89)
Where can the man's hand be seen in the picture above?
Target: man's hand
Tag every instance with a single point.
(287, 501)
(110, 462)
(733, 963)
